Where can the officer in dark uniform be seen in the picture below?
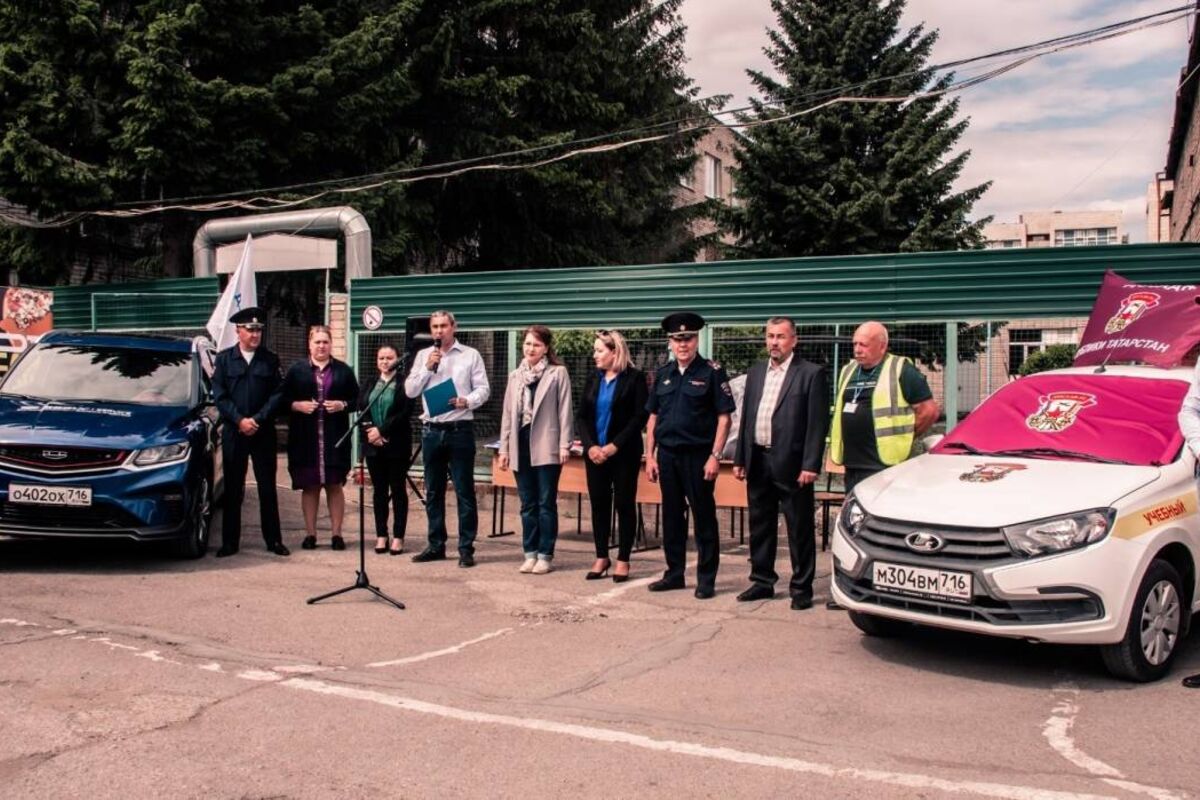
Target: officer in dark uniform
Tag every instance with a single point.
(248, 390)
(689, 410)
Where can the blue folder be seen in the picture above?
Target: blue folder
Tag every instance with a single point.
(438, 397)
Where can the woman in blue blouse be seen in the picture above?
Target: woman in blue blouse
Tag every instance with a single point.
(612, 413)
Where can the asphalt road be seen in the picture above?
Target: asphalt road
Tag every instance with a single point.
(126, 674)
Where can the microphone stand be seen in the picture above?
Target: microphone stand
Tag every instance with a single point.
(361, 580)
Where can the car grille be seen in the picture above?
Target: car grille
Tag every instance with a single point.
(59, 459)
(97, 517)
(969, 547)
(981, 608)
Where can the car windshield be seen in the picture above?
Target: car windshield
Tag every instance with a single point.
(81, 373)
(1104, 418)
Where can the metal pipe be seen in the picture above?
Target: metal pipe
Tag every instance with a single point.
(323, 221)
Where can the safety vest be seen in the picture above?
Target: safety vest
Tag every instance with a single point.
(895, 422)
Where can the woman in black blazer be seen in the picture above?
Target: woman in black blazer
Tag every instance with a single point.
(610, 419)
(387, 446)
(320, 390)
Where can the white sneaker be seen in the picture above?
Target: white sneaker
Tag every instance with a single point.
(542, 567)
(529, 565)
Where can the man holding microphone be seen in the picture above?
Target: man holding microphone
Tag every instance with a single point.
(448, 436)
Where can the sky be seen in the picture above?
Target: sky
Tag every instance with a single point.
(1084, 129)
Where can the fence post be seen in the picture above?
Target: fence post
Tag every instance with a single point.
(706, 342)
(950, 376)
(513, 359)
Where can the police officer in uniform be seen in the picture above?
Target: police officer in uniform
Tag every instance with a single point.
(248, 390)
(689, 410)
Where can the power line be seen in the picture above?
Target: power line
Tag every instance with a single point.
(602, 143)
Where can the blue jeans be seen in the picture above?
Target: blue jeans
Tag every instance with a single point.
(450, 452)
(538, 489)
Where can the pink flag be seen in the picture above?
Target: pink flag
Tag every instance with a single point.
(1156, 325)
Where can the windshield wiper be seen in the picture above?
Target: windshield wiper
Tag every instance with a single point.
(972, 449)
(1053, 452)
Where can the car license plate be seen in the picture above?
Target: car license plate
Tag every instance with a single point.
(922, 582)
(33, 494)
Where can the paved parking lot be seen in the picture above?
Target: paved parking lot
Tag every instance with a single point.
(124, 673)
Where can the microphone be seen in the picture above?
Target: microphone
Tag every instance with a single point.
(437, 345)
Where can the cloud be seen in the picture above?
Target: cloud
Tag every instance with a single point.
(1072, 130)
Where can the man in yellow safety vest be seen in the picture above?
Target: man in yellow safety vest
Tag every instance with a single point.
(881, 405)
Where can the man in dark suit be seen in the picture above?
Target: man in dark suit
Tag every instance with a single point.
(248, 390)
(781, 441)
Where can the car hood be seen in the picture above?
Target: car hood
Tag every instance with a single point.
(991, 491)
(121, 426)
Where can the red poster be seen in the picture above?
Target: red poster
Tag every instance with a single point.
(1136, 322)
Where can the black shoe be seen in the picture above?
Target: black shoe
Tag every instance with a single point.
(705, 593)
(666, 585)
(227, 550)
(338, 543)
(593, 575)
(429, 554)
(832, 605)
(381, 550)
(309, 543)
(801, 603)
(466, 560)
(1191, 681)
(756, 592)
(279, 549)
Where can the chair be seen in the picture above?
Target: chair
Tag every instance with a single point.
(829, 496)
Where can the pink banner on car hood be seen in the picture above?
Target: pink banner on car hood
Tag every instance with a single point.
(1137, 322)
(1105, 416)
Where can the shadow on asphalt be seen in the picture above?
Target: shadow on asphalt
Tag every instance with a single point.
(112, 557)
(990, 659)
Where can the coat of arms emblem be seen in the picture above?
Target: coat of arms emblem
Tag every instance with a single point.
(1132, 308)
(1059, 411)
(986, 473)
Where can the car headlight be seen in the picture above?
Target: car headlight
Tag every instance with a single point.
(164, 454)
(852, 516)
(1057, 534)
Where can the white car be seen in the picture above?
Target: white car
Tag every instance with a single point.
(1063, 509)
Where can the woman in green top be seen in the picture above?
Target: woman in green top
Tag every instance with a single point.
(387, 445)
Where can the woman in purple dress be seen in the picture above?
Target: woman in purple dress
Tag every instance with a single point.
(321, 389)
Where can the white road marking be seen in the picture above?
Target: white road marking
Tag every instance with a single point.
(446, 651)
(301, 669)
(610, 736)
(1057, 731)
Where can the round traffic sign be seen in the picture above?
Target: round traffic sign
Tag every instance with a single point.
(372, 317)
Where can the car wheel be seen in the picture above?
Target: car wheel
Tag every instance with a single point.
(195, 542)
(883, 627)
(1152, 635)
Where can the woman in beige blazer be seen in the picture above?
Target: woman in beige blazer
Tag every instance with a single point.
(535, 441)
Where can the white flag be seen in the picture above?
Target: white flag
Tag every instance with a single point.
(241, 292)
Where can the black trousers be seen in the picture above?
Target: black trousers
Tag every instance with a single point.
(768, 494)
(614, 484)
(681, 477)
(856, 475)
(236, 451)
(388, 482)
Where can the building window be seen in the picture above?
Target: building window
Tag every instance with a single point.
(712, 176)
(1081, 237)
(1003, 244)
(1022, 343)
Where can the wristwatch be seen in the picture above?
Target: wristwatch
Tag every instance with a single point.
(716, 455)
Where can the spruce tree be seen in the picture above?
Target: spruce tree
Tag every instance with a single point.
(503, 75)
(851, 178)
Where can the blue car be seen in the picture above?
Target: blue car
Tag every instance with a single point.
(109, 436)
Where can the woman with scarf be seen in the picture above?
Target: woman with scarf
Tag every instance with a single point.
(535, 441)
(387, 446)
